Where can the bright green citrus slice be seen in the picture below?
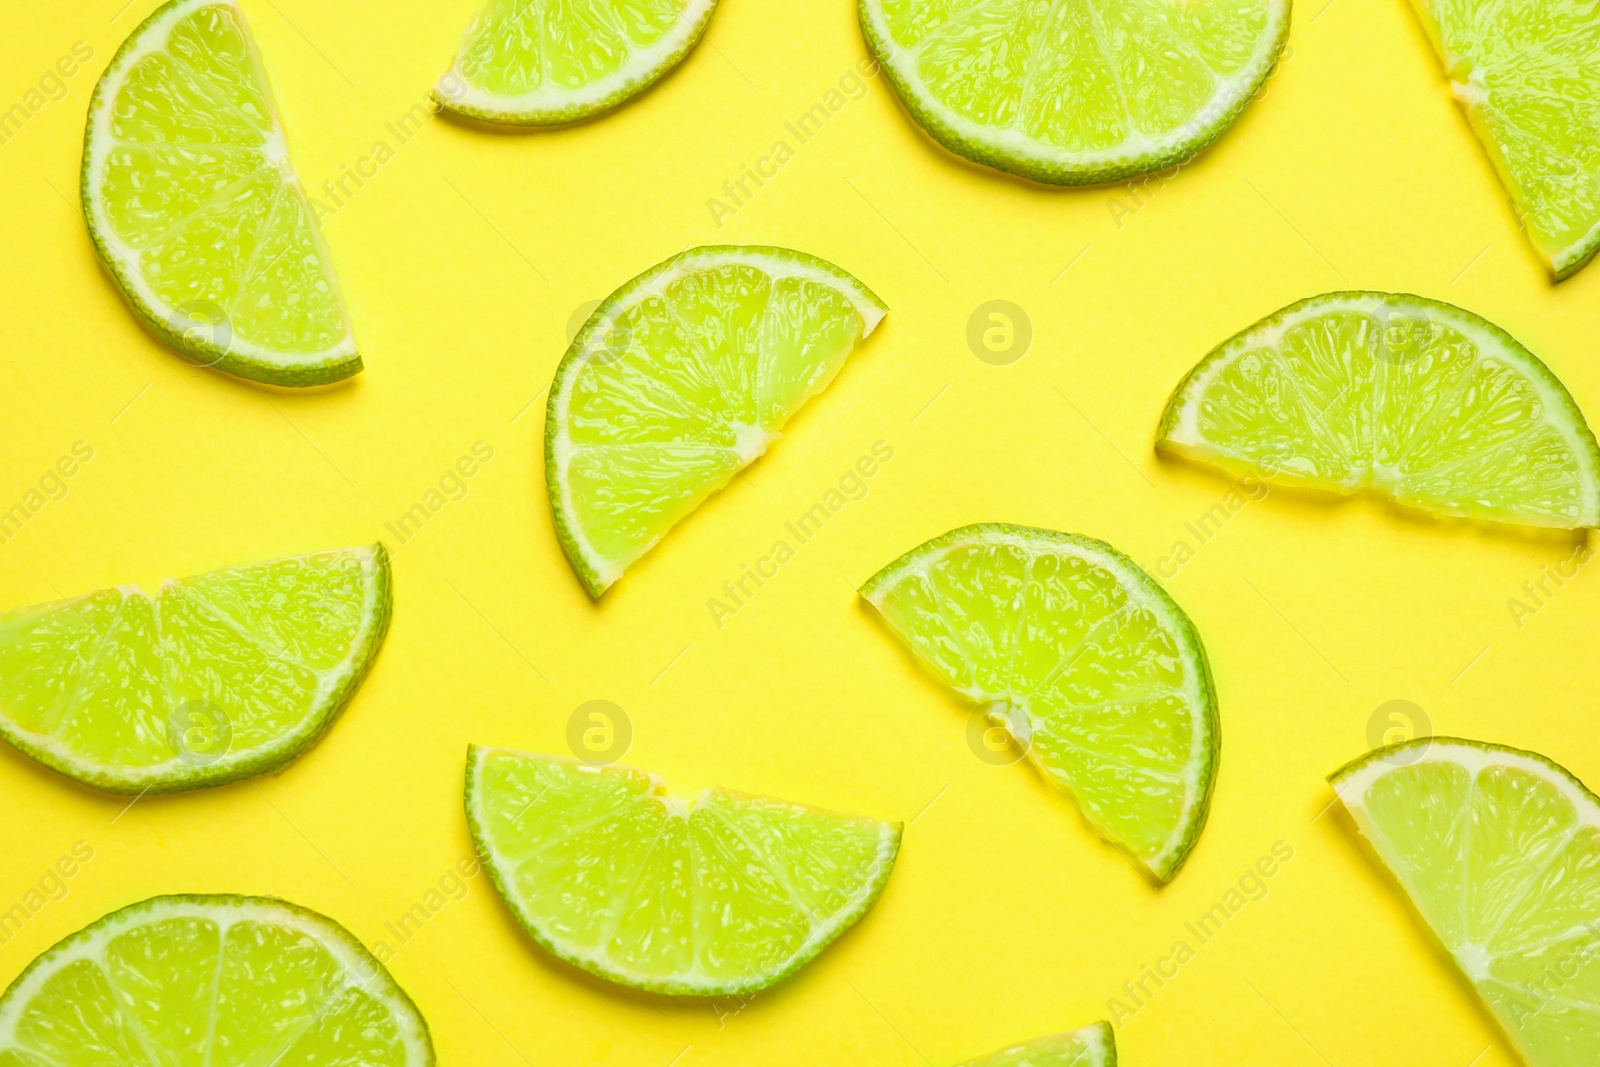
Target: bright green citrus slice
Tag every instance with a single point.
(678, 381)
(716, 895)
(1070, 92)
(1499, 850)
(1091, 1046)
(208, 680)
(183, 981)
(1410, 398)
(1525, 74)
(1084, 660)
(548, 62)
(195, 208)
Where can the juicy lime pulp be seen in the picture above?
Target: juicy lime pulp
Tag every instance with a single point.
(720, 895)
(679, 380)
(1499, 850)
(196, 211)
(545, 62)
(1417, 400)
(1091, 1046)
(1073, 93)
(210, 980)
(1525, 75)
(211, 679)
(1088, 663)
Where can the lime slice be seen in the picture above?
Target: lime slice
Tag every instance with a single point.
(1500, 851)
(1524, 74)
(211, 679)
(1091, 1046)
(548, 62)
(678, 381)
(192, 980)
(1413, 399)
(1083, 659)
(1073, 93)
(721, 894)
(195, 209)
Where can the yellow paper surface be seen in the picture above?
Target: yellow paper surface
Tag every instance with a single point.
(464, 255)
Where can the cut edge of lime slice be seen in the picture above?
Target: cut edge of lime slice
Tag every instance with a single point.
(1016, 153)
(595, 572)
(239, 356)
(336, 688)
(598, 965)
(1095, 1045)
(1179, 433)
(362, 968)
(546, 106)
(1201, 773)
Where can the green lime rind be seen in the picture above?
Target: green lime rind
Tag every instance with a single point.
(597, 574)
(238, 357)
(1206, 746)
(1029, 158)
(1094, 1045)
(889, 848)
(456, 93)
(1347, 774)
(1177, 432)
(362, 968)
(176, 775)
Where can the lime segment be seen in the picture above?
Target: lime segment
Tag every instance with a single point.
(723, 894)
(211, 679)
(1091, 1046)
(1095, 672)
(1416, 400)
(195, 209)
(183, 981)
(1499, 850)
(678, 381)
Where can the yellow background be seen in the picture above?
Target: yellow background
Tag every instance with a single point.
(462, 262)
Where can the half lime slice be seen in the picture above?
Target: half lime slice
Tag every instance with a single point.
(1074, 93)
(1525, 74)
(713, 896)
(1091, 1046)
(210, 679)
(1406, 397)
(548, 62)
(196, 211)
(678, 381)
(1499, 849)
(1084, 660)
(192, 980)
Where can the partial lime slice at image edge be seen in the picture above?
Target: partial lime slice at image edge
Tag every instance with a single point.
(679, 380)
(195, 209)
(1084, 659)
(207, 680)
(504, 75)
(1079, 129)
(1090, 1046)
(723, 894)
(1499, 850)
(1413, 399)
(148, 984)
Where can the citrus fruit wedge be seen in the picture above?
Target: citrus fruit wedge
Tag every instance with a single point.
(1091, 1046)
(1084, 660)
(208, 680)
(210, 980)
(1409, 398)
(713, 896)
(1524, 75)
(678, 381)
(1074, 93)
(196, 211)
(1499, 850)
(549, 62)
